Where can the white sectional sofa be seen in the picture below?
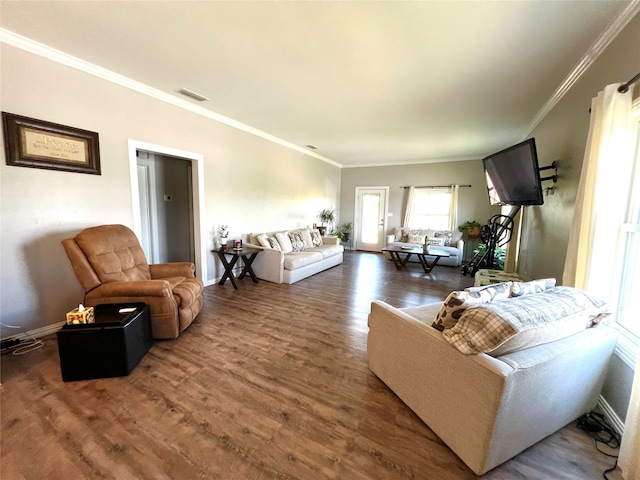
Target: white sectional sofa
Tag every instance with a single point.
(488, 407)
(289, 256)
(446, 240)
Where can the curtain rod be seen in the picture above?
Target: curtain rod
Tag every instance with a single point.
(624, 88)
(433, 186)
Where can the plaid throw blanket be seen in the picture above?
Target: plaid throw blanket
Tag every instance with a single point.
(484, 328)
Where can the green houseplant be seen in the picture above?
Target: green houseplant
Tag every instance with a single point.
(471, 227)
(343, 232)
(326, 216)
(498, 255)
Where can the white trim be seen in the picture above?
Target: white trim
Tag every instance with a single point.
(200, 230)
(611, 416)
(602, 42)
(31, 46)
(37, 333)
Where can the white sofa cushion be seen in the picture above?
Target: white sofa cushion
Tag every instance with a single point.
(525, 321)
(295, 260)
(327, 250)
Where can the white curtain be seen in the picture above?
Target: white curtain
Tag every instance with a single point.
(602, 194)
(453, 208)
(408, 213)
(596, 230)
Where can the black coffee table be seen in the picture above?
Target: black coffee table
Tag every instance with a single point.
(420, 252)
(247, 254)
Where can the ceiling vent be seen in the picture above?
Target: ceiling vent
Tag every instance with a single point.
(194, 95)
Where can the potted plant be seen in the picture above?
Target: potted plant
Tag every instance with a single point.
(343, 232)
(498, 255)
(471, 227)
(326, 216)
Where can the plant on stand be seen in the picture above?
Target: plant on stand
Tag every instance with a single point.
(343, 232)
(498, 255)
(326, 216)
(471, 227)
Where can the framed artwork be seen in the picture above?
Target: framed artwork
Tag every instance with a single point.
(38, 144)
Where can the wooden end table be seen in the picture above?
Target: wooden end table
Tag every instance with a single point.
(247, 254)
(399, 262)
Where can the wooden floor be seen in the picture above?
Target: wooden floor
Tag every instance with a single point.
(270, 381)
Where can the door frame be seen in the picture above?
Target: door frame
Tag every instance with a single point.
(197, 178)
(153, 208)
(356, 212)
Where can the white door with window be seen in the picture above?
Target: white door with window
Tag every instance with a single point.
(370, 218)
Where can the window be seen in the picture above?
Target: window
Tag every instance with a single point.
(629, 278)
(431, 208)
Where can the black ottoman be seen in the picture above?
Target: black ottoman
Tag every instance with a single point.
(110, 347)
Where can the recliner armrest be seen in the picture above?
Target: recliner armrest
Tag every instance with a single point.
(173, 269)
(140, 288)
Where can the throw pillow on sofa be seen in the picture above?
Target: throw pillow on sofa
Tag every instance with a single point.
(512, 324)
(297, 243)
(285, 243)
(534, 286)
(268, 241)
(458, 301)
(316, 238)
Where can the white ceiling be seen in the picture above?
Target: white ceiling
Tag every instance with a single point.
(369, 83)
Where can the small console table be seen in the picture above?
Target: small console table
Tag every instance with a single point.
(247, 254)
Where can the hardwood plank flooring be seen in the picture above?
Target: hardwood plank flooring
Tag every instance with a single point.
(270, 381)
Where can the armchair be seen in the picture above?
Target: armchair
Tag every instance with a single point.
(112, 268)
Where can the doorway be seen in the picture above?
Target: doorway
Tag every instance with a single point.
(370, 218)
(193, 225)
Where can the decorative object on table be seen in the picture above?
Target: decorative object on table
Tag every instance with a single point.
(326, 216)
(80, 315)
(343, 232)
(471, 227)
(237, 244)
(38, 144)
(223, 233)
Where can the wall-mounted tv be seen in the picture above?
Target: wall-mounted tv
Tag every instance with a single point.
(513, 177)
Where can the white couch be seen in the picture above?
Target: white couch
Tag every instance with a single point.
(486, 409)
(449, 241)
(279, 263)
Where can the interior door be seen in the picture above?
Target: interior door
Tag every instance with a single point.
(370, 218)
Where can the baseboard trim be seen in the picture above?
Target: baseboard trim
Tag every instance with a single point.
(611, 416)
(37, 333)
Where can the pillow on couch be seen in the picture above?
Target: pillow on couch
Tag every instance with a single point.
(268, 241)
(458, 301)
(534, 286)
(316, 238)
(512, 324)
(285, 243)
(297, 243)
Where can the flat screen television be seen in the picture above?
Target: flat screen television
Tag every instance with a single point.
(512, 175)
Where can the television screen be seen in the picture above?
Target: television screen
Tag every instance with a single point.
(513, 177)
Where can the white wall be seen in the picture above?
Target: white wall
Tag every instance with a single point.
(251, 184)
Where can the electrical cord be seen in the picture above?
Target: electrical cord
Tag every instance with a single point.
(21, 349)
(597, 427)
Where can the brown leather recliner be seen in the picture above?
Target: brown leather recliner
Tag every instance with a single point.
(112, 268)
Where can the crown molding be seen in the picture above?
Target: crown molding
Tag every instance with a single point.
(31, 46)
(596, 49)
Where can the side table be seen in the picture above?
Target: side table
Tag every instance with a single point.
(247, 254)
(110, 347)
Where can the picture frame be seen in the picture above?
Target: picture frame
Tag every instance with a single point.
(36, 143)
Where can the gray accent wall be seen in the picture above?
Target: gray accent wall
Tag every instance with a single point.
(473, 201)
(562, 136)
